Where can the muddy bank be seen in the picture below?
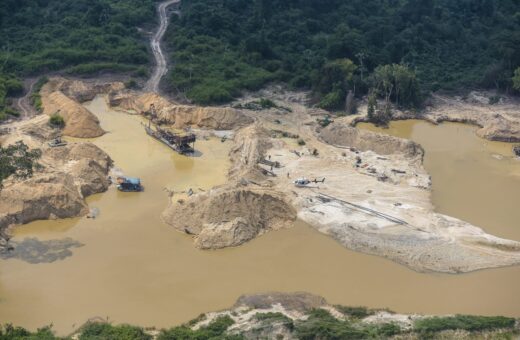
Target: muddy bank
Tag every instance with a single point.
(180, 116)
(495, 122)
(79, 122)
(481, 184)
(297, 315)
(347, 136)
(58, 189)
(375, 201)
(306, 316)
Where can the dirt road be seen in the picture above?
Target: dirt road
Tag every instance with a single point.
(161, 66)
(23, 103)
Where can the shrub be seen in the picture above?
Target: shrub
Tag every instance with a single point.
(322, 325)
(36, 98)
(266, 103)
(18, 160)
(215, 330)
(131, 84)
(98, 331)
(9, 332)
(301, 142)
(331, 101)
(494, 100)
(464, 322)
(355, 312)
(57, 121)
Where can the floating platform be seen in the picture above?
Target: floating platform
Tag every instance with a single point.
(181, 143)
(129, 184)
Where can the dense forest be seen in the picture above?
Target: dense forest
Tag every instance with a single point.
(332, 46)
(395, 49)
(75, 36)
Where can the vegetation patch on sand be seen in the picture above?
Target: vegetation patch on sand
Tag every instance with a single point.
(293, 316)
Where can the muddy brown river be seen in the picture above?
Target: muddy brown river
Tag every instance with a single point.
(472, 179)
(133, 268)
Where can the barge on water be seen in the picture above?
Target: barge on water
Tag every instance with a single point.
(129, 184)
(182, 143)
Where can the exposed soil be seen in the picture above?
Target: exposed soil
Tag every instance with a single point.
(362, 170)
(180, 116)
(68, 174)
(229, 217)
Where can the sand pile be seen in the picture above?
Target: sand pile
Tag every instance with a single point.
(347, 136)
(215, 118)
(181, 116)
(249, 147)
(88, 164)
(45, 196)
(79, 122)
(131, 102)
(58, 190)
(229, 217)
(83, 91)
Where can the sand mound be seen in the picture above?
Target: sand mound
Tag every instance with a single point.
(182, 116)
(79, 122)
(215, 118)
(131, 102)
(44, 196)
(82, 91)
(88, 164)
(69, 174)
(250, 146)
(225, 218)
(344, 135)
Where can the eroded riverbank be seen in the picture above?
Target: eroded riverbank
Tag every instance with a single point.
(472, 179)
(134, 268)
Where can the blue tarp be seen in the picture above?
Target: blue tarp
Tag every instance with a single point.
(131, 180)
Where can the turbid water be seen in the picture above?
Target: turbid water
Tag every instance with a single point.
(472, 179)
(133, 268)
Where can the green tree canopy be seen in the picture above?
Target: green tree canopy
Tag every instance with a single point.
(17, 160)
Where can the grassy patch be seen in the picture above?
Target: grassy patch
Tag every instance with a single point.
(322, 325)
(9, 332)
(57, 121)
(36, 98)
(98, 331)
(215, 330)
(465, 322)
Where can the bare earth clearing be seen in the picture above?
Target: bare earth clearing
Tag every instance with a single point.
(375, 198)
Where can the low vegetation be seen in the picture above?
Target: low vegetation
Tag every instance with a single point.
(18, 161)
(98, 331)
(57, 121)
(36, 98)
(261, 104)
(464, 322)
(9, 86)
(322, 325)
(215, 330)
(319, 324)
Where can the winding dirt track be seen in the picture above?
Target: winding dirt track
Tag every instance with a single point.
(161, 67)
(23, 103)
